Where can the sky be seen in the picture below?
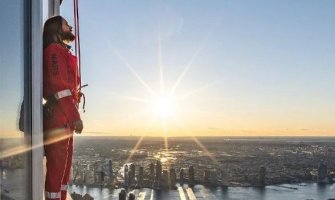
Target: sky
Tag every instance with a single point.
(210, 68)
(11, 66)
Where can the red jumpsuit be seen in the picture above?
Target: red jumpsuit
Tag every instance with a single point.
(60, 73)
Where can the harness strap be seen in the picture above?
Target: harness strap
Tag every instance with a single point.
(62, 94)
(53, 195)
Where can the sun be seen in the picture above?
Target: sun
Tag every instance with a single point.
(163, 103)
(164, 106)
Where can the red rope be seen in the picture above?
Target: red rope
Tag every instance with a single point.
(77, 49)
(77, 40)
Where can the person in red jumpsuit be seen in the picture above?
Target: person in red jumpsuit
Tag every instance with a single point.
(60, 90)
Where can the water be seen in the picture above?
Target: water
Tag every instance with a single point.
(199, 192)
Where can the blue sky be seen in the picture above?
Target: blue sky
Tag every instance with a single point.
(273, 60)
(268, 66)
(11, 65)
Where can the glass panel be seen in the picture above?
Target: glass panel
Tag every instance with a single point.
(13, 143)
(231, 72)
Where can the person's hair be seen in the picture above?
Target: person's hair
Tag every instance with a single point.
(52, 32)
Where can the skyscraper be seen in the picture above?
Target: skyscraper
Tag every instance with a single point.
(140, 176)
(191, 176)
(158, 170)
(95, 176)
(126, 176)
(181, 176)
(262, 176)
(213, 177)
(158, 175)
(151, 171)
(83, 177)
(322, 173)
(165, 179)
(172, 180)
(110, 172)
(132, 175)
(224, 179)
(102, 176)
(206, 177)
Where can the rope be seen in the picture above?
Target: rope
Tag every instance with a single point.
(77, 45)
(77, 49)
(75, 33)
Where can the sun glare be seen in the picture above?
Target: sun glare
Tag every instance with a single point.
(164, 106)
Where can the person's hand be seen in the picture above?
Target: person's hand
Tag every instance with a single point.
(78, 126)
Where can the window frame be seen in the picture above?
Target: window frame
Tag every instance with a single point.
(34, 71)
(32, 19)
(34, 83)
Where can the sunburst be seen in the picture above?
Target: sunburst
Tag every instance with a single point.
(164, 103)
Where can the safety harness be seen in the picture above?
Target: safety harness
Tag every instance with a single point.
(52, 100)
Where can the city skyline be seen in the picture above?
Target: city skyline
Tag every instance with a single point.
(215, 68)
(300, 165)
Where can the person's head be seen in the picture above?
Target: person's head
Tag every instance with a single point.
(57, 30)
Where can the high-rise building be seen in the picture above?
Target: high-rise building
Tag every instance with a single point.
(90, 177)
(173, 178)
(83, 177)
(191, 176)
(140, 176)
(213, 177)
(126, 176)
(322, 173)
(95, 176)
(158, 175)
(205, 179)
(262, 176)
(181, 176)
(102, 176)
(165, 179)
(224, 179)
(110, 172)
(158, 170)
(132, 175)
(96, 172)
(151, 170)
